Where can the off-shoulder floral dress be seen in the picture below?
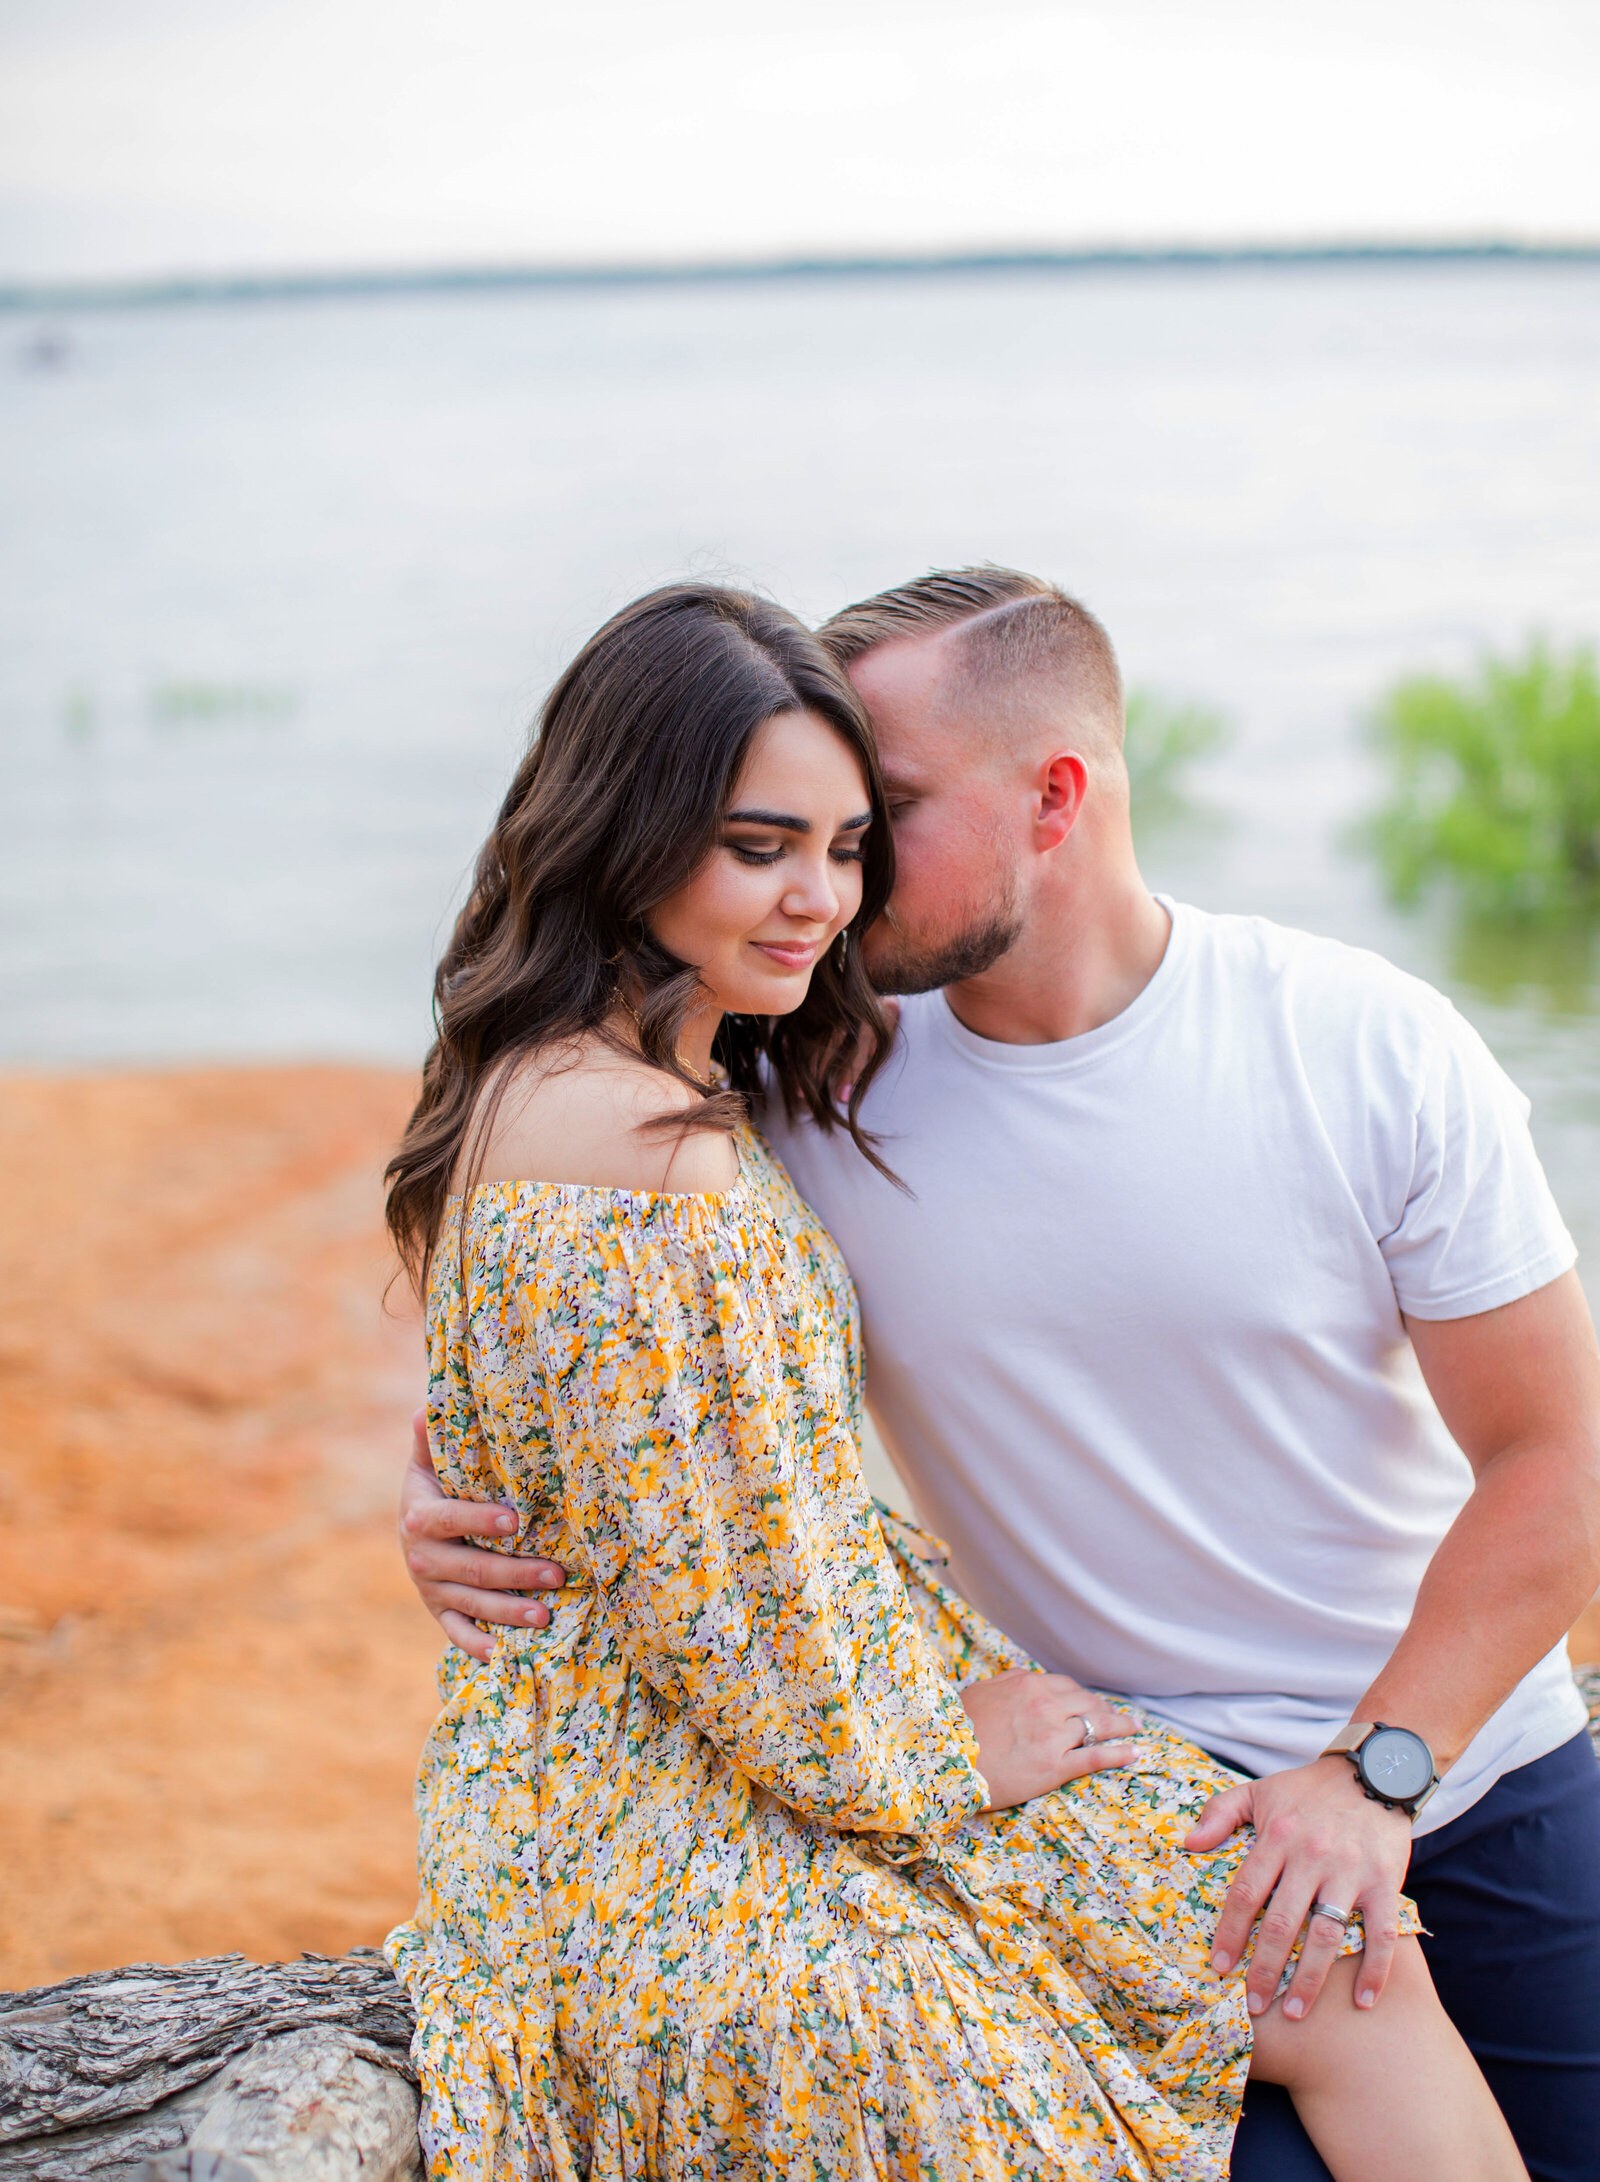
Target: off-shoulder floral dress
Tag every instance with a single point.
(705, 1887)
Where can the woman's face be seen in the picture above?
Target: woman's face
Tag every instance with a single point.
(785, 877)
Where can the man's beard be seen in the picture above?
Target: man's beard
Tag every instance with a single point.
(896, 964)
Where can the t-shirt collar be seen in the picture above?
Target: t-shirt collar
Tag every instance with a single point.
(1090, 1046)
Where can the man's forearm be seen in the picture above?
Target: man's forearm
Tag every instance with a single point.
(1514, 1571)
(1518, 1388)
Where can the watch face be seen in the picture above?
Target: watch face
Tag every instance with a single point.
(1397, 1763)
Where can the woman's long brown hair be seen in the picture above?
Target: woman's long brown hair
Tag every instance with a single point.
(617, 803)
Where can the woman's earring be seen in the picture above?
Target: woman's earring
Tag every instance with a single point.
(842, 952)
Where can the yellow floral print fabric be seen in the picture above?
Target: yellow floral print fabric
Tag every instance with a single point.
(706, 1888)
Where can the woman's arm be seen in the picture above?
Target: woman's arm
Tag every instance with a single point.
(743, 1578)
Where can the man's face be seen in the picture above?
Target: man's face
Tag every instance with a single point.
(955, 805)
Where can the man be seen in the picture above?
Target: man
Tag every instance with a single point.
(1201, 1212)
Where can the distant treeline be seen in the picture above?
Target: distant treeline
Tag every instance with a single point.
(39, 296)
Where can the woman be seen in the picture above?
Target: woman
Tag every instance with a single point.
(751, 1863)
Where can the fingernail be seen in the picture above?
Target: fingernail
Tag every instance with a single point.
(1294, 2009)
(505, 1522)
(1221, 1962)
(1365, 2000)
(538, 1615)
(1255, 2003)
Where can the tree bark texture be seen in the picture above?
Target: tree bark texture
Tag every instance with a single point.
(215, 2071)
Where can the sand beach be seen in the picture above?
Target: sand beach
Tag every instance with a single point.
(214, 1678)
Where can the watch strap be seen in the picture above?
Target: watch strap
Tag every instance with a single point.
(1349, 1740)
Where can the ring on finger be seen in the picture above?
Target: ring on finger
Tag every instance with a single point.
(1089, 1735)
(1340, 1917)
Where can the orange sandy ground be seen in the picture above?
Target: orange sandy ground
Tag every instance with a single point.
(214, 1678)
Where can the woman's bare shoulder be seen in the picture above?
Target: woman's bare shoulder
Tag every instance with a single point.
(585, 1115)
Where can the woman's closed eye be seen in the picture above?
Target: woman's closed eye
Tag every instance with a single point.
(846, 850)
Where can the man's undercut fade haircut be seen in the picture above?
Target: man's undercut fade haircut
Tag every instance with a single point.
(1018, 628)
(935, 601)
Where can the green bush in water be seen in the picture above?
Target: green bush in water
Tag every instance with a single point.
(1164, 739)
(1496, 784)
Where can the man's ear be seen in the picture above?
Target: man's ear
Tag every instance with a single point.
(1063, 785)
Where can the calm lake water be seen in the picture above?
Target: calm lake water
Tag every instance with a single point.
(280, 587)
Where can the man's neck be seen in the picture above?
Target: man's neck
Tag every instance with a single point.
(1077, 965)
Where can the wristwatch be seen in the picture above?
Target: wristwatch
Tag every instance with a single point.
(1393, 1765)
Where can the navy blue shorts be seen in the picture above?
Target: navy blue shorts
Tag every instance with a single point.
(1510, 1893)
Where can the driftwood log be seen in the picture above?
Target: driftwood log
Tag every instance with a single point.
(216, 2071)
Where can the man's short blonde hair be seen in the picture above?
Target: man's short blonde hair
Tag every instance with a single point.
(1018, 628)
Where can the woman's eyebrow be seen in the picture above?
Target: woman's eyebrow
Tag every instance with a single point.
(785, 819)
(790, 823)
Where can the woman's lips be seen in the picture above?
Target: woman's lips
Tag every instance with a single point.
(798, 956)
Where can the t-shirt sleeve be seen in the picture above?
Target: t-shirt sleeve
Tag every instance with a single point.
(1479, 1227)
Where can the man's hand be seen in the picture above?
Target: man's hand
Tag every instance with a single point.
(1519, 1389)
(1034, 1734)
(461, 1585)
(1318, 1839)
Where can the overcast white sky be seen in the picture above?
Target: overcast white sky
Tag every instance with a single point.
(149, 136)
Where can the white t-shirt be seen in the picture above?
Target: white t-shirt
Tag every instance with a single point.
(1134, 1340)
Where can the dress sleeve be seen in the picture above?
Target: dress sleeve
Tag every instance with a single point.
(712, 1493)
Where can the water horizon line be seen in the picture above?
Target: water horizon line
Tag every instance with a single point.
(151, 290)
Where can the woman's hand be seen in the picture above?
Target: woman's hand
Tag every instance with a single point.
(1037, 1730)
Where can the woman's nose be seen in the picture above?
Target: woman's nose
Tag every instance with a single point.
(813, 895)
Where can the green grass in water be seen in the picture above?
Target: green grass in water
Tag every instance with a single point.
(1495, 785)
(1165, 739)
(190, 703)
